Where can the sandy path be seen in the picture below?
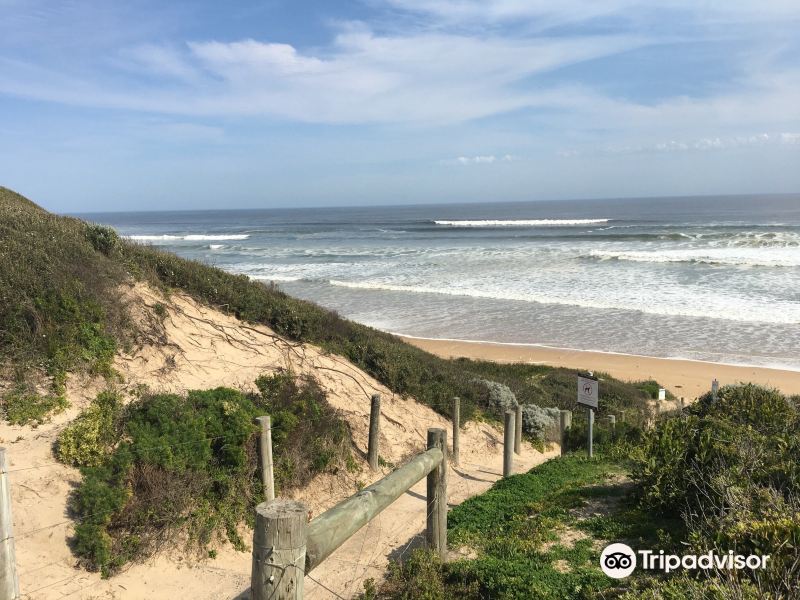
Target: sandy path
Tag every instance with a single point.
(687, 378)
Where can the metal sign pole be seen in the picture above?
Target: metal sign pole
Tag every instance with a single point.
(591, 427)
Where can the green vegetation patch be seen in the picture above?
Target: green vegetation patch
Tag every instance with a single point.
(730, 467)
(59, 306)
(22, 406)
(536, 535)
(168, 467)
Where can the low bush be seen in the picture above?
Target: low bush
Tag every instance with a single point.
(87, 440)
(23, 406)
(168, 467)
(540, 423)
(309, 436)
(730, 466)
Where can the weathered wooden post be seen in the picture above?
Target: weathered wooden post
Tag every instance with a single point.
(265, 453)
(518, 430)
(456, 429)
(681, 402)
(508, 444)
(436, 532)
(565, 423)
(612, 421)
(374, 431)
(622, 416)
(9, 585)
(279, 550)
(714, 389)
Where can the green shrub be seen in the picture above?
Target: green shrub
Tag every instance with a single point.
(731, 468)
(87, 440)
(168, 463)
(186, 463)
(23, 407)
(103, 239)
(418, 577)
(309, 436)
(684, 587)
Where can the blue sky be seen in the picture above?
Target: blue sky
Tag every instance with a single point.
(178, 105)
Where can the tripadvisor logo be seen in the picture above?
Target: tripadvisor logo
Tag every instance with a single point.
(619, 560)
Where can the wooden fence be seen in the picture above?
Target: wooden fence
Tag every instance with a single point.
(286, 547)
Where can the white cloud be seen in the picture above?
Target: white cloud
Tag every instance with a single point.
(481, 159)
(364, 77)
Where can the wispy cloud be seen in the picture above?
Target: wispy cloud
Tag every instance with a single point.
(363, 77)
(481, 159)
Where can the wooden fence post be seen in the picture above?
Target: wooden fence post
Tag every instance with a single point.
(456, 429)
(612, 420)
(279, 550)
(374, 431)
(265, 452)
(436, 531)
(508, 444)
(518, 430)
(9, 585)
(714, 389)
(681, 402)
(565, 423)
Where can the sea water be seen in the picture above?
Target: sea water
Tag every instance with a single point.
(708, 278)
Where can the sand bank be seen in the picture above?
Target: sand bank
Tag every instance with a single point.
(687, 378)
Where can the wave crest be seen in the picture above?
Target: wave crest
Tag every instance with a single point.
(188, 238)
(733, 256)
(522, 223)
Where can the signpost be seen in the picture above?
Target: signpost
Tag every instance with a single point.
(588, 396)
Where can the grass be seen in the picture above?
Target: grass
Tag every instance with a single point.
(61, 312)
(531, 540)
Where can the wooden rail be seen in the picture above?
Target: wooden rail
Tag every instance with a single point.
(284, 549)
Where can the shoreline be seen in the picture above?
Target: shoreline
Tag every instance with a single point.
(683, 377)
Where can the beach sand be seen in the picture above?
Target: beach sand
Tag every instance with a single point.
(684, 378)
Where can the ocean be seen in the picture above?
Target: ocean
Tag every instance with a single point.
(706, 278)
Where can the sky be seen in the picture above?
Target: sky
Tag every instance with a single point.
(151, 105)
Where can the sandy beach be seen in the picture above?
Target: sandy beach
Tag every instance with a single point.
(686, 378)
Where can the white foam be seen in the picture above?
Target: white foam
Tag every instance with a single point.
(275, 278)
(713, 308)
(216, 246)
(734, 256)
(522, 223)
(188, 238)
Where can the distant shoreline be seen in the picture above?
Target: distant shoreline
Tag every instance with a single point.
(683, 377)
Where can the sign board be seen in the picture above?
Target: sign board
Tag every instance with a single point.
(587, 391)
(662, 394)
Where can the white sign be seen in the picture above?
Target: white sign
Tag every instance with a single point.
(662, 394)
(587, 391)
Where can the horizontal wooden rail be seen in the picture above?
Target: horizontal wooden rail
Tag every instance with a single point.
(332, 528)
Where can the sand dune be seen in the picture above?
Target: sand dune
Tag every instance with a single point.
(201, 348)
